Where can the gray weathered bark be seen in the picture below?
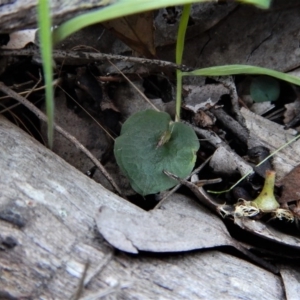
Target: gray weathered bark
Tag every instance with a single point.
(21, 14)
(47, 235)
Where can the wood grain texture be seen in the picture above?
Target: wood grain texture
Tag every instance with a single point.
(19, 14)
(47, 235)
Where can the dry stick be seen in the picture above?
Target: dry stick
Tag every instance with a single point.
(79, 288)
(19, 121)
(159, 204)
(91, 56)
(231, 124)
(85, 278)
(98, 269)
(209, 136)
(35, 86)
(68, 136)
(228, 82)
(54, 83)
(103, 293)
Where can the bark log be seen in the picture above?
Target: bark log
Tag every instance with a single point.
(22, 14)
(48, 235)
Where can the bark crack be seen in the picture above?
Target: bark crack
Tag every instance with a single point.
(264, 40)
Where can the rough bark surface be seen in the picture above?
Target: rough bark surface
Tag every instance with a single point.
(21, 14)
(47, 235)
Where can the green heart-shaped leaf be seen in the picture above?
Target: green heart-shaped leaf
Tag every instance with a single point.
(151, 143)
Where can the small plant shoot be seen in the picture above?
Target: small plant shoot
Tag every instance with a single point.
(266, 201)
(151, 143)
(165, 137)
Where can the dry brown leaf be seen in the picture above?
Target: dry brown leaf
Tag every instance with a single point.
(290, 186)
(20, 39)
(203, 97)
(290, 276)
(291, 111)
(158, 231)
(265, 230)
(180, 225)
(136, 31)
(187, 228)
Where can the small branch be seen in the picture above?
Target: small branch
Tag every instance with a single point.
(196, 171)
(92, 57)
(231, 124)
(198, 190)
(228, 82)
(68, 136)
(98, 268)
(209, 135)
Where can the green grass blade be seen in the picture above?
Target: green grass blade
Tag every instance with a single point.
(258, 3)
(179, 53)
(181, 32)
(44, 22)
(242, 69)
(124, 8)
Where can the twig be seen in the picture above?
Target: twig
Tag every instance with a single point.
(198, 190)
(209, 135)
(228, 82)
(68, 136)
(54, 83)
(35, 86)
(103, 293)
(232, 125)
(98, 269)
(92, 57)
(85, 279)
(197, 170)
(79, 289)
